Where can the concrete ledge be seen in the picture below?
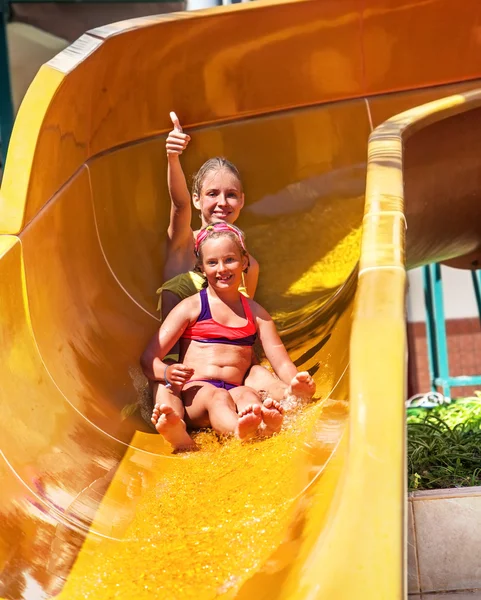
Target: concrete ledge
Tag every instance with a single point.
(444, 542)
(469, 595)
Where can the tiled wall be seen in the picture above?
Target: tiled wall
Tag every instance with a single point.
(464, 353)
(444, 542)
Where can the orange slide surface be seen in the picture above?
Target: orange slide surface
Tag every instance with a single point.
(307, 99)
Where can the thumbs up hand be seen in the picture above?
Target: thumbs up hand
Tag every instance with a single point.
(177, 141)
(175, 121)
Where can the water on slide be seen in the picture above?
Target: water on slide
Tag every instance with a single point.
(94, 505)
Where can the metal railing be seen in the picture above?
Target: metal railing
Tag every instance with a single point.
(6, 103)
(436, 335)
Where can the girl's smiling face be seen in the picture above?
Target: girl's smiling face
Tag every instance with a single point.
(221, 197)
(223, 262)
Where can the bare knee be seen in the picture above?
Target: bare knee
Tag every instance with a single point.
(260, 378)
(218, 398)
(263, 380)
(244, 396)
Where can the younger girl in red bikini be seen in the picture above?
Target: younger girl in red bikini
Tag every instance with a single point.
(217, 328)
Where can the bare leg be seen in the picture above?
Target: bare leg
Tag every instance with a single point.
(271, 411)
(208, 405)
(245, 396)
(167, 418)
(262, 380)
(224, 418)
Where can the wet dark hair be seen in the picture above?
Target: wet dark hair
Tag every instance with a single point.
(213, 164)
(213, 235)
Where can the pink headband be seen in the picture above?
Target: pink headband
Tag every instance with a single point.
(221, 226)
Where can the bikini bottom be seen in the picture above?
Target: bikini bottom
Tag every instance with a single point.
(218, 383)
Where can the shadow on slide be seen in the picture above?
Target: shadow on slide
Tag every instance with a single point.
(93, 503)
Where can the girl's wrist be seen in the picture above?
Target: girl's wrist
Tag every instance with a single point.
(168, 384)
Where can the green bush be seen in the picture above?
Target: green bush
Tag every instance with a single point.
(444, 445)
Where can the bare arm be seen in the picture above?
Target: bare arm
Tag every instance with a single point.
(274, 349)
(252, 276)
(169, 333)
(181, 211)
(177, 184)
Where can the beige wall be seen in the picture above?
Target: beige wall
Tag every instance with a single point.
(70, 21)
(28, 49)
(40, 31)
(459, 300)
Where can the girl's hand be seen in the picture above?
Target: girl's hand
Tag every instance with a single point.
(177, 141)
(178, 373)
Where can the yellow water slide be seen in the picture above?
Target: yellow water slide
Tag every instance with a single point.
(93, 505)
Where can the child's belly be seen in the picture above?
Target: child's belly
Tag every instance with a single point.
(217, 361)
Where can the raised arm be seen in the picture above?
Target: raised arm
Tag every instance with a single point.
(180, 211)
(169, 333)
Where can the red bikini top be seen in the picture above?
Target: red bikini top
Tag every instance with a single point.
(208, 331)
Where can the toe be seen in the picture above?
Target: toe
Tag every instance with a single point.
(256, 409)
(269, 403)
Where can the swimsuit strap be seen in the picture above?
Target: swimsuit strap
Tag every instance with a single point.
(247, 310)
(205, 313)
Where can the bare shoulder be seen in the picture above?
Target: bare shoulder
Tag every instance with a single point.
(258, 311)
(187, 309)
(192, 303)
(192, 306)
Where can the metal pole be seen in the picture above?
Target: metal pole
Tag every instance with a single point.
(430, 327)
(6, 104)
(476, 275)
(440, 323)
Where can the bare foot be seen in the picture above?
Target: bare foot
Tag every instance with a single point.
(169, 424)
(249, 420)
(302, 386)
(272, 415)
